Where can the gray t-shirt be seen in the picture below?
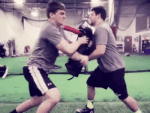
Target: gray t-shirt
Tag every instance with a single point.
(111, 60)
(44, 53)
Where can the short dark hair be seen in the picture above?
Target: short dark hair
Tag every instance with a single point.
(100, 10)
(54, 6)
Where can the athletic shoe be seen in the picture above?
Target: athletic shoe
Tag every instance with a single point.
(3, 71)
(85, 110)
(57, 67)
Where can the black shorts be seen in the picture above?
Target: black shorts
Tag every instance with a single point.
(38, 80)
(114, 80)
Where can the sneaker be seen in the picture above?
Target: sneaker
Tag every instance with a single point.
(85, 110)
(3, 71)
(55, 67)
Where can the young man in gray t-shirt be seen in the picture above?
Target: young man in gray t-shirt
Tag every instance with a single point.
(42, 59)
(111, 70)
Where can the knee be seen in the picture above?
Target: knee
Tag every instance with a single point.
(36, 100)
(53, 96)
(122, 95)
(55, 100)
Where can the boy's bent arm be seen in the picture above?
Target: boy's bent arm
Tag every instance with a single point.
(76, 56)
(67, 48)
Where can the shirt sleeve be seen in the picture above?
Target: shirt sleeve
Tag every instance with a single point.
(54, 36)
(101, 36)
(64, 35)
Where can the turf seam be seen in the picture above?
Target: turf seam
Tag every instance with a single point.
(137, 71)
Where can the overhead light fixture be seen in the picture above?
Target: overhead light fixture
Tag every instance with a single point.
(19, 1)
(95, 1)
(35, 12)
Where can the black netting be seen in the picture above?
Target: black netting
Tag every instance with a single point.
(35, 23)
(125, 12)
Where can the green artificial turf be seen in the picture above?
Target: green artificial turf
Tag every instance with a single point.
(132, 63)
(14, 89)
(16, 64)
(69, 107)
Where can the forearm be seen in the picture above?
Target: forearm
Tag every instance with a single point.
(94, 55)
(76, 56)
(74, 46)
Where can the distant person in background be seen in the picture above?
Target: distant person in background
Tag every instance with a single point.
(2, 50)
(3, 68)
(42, 60)
(27, 49)
(3, 71)
(145, 44)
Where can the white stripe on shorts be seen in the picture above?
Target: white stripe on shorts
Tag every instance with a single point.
(38, 79)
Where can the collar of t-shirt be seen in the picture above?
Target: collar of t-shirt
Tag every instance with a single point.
(59, 29)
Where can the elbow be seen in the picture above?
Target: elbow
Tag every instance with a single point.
(69, 52)
(102, 53)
